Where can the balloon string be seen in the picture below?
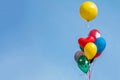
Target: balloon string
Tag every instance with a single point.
(90, 70)
(89, 75)
(88, 25)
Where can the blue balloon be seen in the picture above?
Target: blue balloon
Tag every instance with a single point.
(101, 44)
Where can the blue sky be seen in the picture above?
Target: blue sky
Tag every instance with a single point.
(38, 39)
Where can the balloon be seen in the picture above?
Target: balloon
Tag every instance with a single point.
(95, 33)
(83, 41)
(88, 10)
(77, 55)
(101, 44)
(97, 55)
(81, 49)
(90, 50)
(83, 63)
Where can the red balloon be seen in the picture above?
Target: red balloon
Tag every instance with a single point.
(97, 55)
(95, 33)
(83, 41)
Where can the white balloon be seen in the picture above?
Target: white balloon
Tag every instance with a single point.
(77, 55)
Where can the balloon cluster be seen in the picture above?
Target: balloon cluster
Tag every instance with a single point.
(91, 48)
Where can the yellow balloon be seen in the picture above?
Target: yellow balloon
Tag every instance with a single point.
(90, 50)
(88, 10)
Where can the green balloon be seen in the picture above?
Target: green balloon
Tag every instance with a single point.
(81, 49)
(83, 63)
